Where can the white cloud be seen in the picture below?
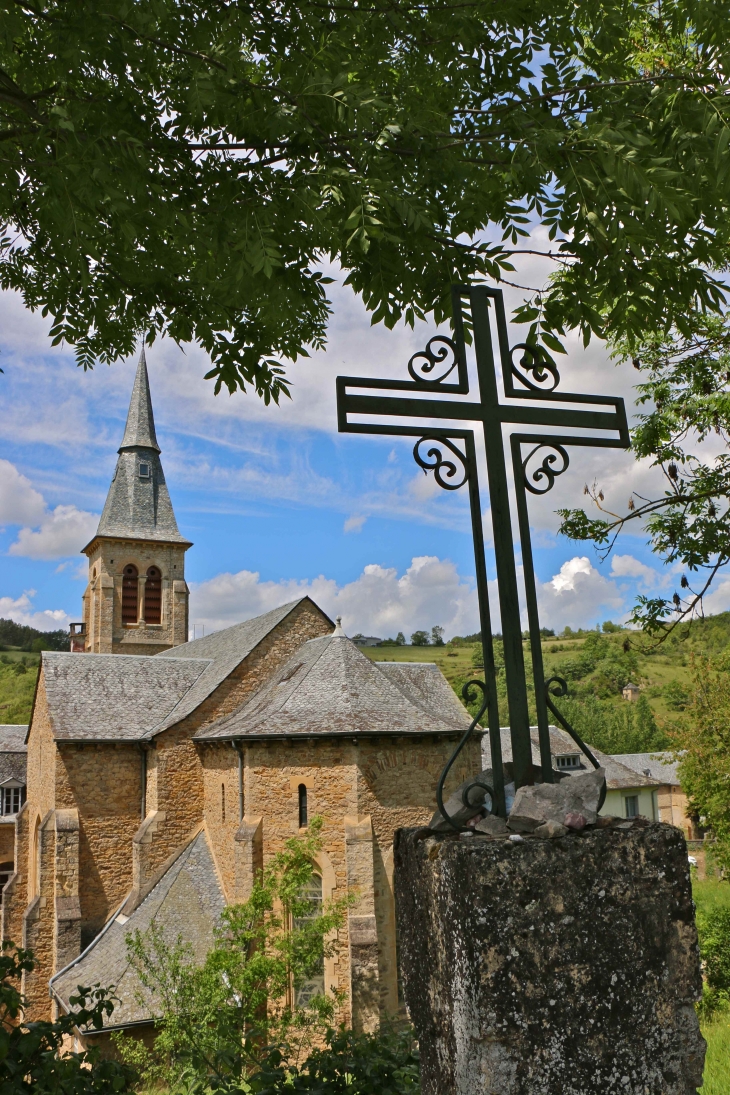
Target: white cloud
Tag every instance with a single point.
(63, 531)
(431, 591)
(354, 524)
(46, 534)
(20, 503)
(578, 596)
(718, 600)
(378, 602)
(626, 566)
(23, 611)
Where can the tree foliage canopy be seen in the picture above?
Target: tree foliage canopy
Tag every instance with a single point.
(222, 1021)
(684, 431)
(702, 740)
(185, 168)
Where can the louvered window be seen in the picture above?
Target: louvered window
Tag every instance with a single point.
(129, 594)
(153, 596)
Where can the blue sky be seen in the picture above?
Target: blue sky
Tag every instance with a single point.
(276, 501)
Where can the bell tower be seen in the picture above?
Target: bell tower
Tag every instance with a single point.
(136, 601)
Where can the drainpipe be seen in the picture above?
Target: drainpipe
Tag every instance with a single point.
(236, 743)
(143, 750)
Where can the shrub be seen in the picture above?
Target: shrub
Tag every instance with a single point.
(34, 1059)
(713, 928)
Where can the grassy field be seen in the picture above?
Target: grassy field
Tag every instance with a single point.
(18, 674)
(712, 894)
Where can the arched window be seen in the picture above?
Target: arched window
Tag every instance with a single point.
(302, 806)
(153, 597)
(314, 984)
(129, 594)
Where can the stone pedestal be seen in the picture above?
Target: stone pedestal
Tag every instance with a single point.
(551, 967)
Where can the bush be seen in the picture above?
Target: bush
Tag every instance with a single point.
(385, 1063)
(713, 927)
(34, 1056)
(630, 728)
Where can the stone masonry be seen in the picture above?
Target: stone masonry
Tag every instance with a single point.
(551, 967)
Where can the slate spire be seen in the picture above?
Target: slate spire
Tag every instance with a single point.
(138, 504)
(140, 428)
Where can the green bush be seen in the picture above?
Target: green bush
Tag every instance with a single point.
(385, 1063)
(34, 1059)
(713, 927)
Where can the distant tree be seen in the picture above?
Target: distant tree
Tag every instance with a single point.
(400, 639)
(701, 738)
(23, 636)
(675, 695)
(437, 635)
(610, 628)
(420, 638)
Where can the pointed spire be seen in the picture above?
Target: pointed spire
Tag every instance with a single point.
(140, 428)
(138, 504)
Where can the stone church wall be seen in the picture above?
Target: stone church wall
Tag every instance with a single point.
(104, 783)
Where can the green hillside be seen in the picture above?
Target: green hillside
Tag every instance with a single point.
(596, 666)
(18, 674)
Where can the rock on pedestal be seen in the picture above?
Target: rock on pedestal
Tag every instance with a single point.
(551, 967)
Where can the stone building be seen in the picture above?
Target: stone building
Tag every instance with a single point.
(163, 774)
(13, 755)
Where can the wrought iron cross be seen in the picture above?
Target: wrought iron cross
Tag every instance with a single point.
(450, 452)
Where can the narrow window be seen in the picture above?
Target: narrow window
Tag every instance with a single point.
(302, 806)
(314, 984)
(223, 802)
(144, 471)
(153, 596)
(632, 805)
(129, 594)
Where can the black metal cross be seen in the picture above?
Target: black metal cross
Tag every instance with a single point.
(441, 369)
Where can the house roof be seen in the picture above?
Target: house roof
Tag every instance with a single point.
(13, 752)
(123, 697)
(136, 507)
(187, 902)
(659, 766)
(618, 776)
(224, 650)
(12, 737)
(330, 687)
(114, 697)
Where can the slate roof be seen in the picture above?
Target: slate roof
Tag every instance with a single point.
(12, 738)
(330, 687)
(123, 697)
(186, 902)
(114, 697)
(659, 766)
(618, 776)
(139, 508)
(13, 752)
(224, 651)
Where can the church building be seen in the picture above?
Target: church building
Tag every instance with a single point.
(163, 774)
